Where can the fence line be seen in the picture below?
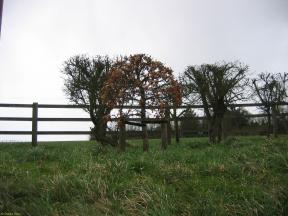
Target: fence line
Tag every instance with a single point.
(127, 107)
(35, 106)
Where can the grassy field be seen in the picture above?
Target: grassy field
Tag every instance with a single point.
(241, 176)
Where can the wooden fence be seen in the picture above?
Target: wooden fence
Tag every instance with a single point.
(35, 119)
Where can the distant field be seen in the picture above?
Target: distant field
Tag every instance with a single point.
(241, 176)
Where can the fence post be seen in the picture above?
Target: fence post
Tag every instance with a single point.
(169, 130)
(164, 138)
(122, 136)
(176, 125)
(34, 123)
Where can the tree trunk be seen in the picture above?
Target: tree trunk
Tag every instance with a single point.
(164, 137)
(144, 131)
(99, 131)
(209, 131)
(177, 135)
(219, 121)
(167, 117)
(212, 130)
(219, 129)
(122, 136)
(169, 133)
(143, 116)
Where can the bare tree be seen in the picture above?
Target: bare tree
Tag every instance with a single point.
(215, 86)
(270, 90)
(84, 80)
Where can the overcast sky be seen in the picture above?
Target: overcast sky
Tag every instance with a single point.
(39, 35)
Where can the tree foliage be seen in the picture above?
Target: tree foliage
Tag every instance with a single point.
(84, 80)
(270, 89)
(140, 80)
(216, 86)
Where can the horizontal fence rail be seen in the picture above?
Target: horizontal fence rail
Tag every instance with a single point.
(147, 120)
(129, 107)
(35, 119)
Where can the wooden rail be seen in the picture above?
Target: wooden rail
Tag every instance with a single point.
(35, 119)
(127, 107)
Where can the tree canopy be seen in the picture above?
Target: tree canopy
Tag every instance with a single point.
(84, 79)
(216, 86)
(270, 89)
(140, 80)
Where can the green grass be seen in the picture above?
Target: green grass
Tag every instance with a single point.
(241, 176)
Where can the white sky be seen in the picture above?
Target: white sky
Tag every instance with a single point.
(39, 35)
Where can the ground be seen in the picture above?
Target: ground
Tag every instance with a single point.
(241, 176)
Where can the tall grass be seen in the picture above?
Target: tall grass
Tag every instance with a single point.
(241, 176)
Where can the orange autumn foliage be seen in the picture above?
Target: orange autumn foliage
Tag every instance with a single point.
(142, 81)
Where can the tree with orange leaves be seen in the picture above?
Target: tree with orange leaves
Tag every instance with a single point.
(142, 81)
